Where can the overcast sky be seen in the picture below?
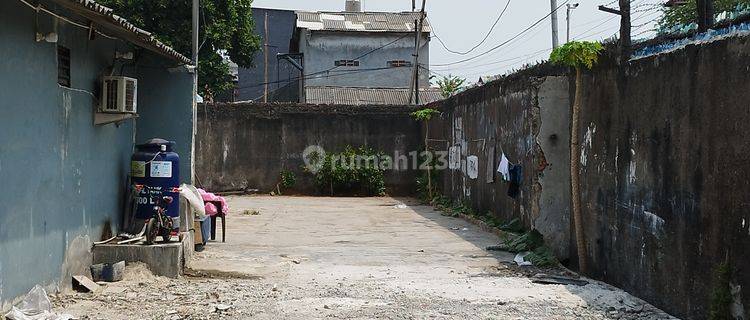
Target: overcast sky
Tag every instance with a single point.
(462, 24)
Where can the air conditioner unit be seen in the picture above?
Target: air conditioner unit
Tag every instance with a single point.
(119, 94)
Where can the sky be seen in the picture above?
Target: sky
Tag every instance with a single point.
(462, 24)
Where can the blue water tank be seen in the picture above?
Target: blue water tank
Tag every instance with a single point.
(156, 165)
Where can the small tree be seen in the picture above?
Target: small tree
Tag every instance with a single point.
(578, 55)
(425, 115)
(450, 85)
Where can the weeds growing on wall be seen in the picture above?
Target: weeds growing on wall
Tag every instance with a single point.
(515, 239)
(354, 171)
(288, 179)
(721, 297)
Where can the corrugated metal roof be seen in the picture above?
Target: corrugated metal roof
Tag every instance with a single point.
(105, 16)
(367, 96)
(360, 21)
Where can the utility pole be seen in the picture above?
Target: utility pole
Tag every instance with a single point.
(567, 18)
(418, 33)
(413, 5)
(624, 30)
(624, 13)
(555, 41)
(265, 59)
(196, 10)
(705, 14)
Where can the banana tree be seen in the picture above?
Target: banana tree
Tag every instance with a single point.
(577, 55)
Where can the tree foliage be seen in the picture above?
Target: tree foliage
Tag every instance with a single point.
(450, 85)
(688, 13)
(424, 114)
(577, 54)
(354, 171)
(225, 26)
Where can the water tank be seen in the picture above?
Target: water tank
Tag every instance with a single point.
(156, 165)
(353, 6)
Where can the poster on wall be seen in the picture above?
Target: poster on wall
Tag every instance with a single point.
(472, 167)
(454, 158)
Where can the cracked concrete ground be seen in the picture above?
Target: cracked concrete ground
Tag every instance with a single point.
(361, 258)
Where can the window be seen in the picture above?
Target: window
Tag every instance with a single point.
(399, 63)
(63, 66)
(346, 63)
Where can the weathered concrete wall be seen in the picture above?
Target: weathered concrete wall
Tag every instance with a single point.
(665, 185)
(323, 48)
(246, 146)
(63, 177)
(526, 117)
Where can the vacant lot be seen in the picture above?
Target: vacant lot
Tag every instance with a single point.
(303, 257)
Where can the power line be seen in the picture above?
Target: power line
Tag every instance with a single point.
(505, 42)
(319, 75)
(480, 42)
(532, 54)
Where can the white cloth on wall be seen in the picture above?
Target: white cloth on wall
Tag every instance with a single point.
(504, 167)
(472, 167)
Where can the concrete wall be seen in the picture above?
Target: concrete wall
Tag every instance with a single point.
(63, 176)
(281, 24)
(246, 146)
(323, 48)
(526, 117)
(665, 174)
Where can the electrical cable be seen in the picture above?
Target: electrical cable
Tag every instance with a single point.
(316, 75)
(38, 8)
(480, 42)
(504, 42)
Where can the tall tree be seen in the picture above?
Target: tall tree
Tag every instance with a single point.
(225, 26)
(577, 55)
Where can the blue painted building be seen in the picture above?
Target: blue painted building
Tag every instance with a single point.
(63, 165)
(281, 25)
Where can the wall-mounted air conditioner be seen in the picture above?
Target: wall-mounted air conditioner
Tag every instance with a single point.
(119, 95)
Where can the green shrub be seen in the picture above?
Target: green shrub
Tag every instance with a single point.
(525, 242)
(288, 179)
(355, 171)
(542, 257)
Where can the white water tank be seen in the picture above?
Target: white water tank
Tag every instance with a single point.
(353, 6)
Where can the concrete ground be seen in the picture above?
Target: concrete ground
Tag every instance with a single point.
(364, 258)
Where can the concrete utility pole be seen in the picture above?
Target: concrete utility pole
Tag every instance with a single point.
(418, 33)
(567, 19)
(705, 14)
(196, 10)
(555, 41)
(265, 59)
(624, 30)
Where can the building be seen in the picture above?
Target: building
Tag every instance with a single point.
(251, 85)
(334, 57)
(63, 163)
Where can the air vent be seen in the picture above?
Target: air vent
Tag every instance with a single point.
(399, 63)
(63, 66)
(346, 63)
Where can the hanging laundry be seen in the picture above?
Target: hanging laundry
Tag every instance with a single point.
(516, 176)
(504, 167)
